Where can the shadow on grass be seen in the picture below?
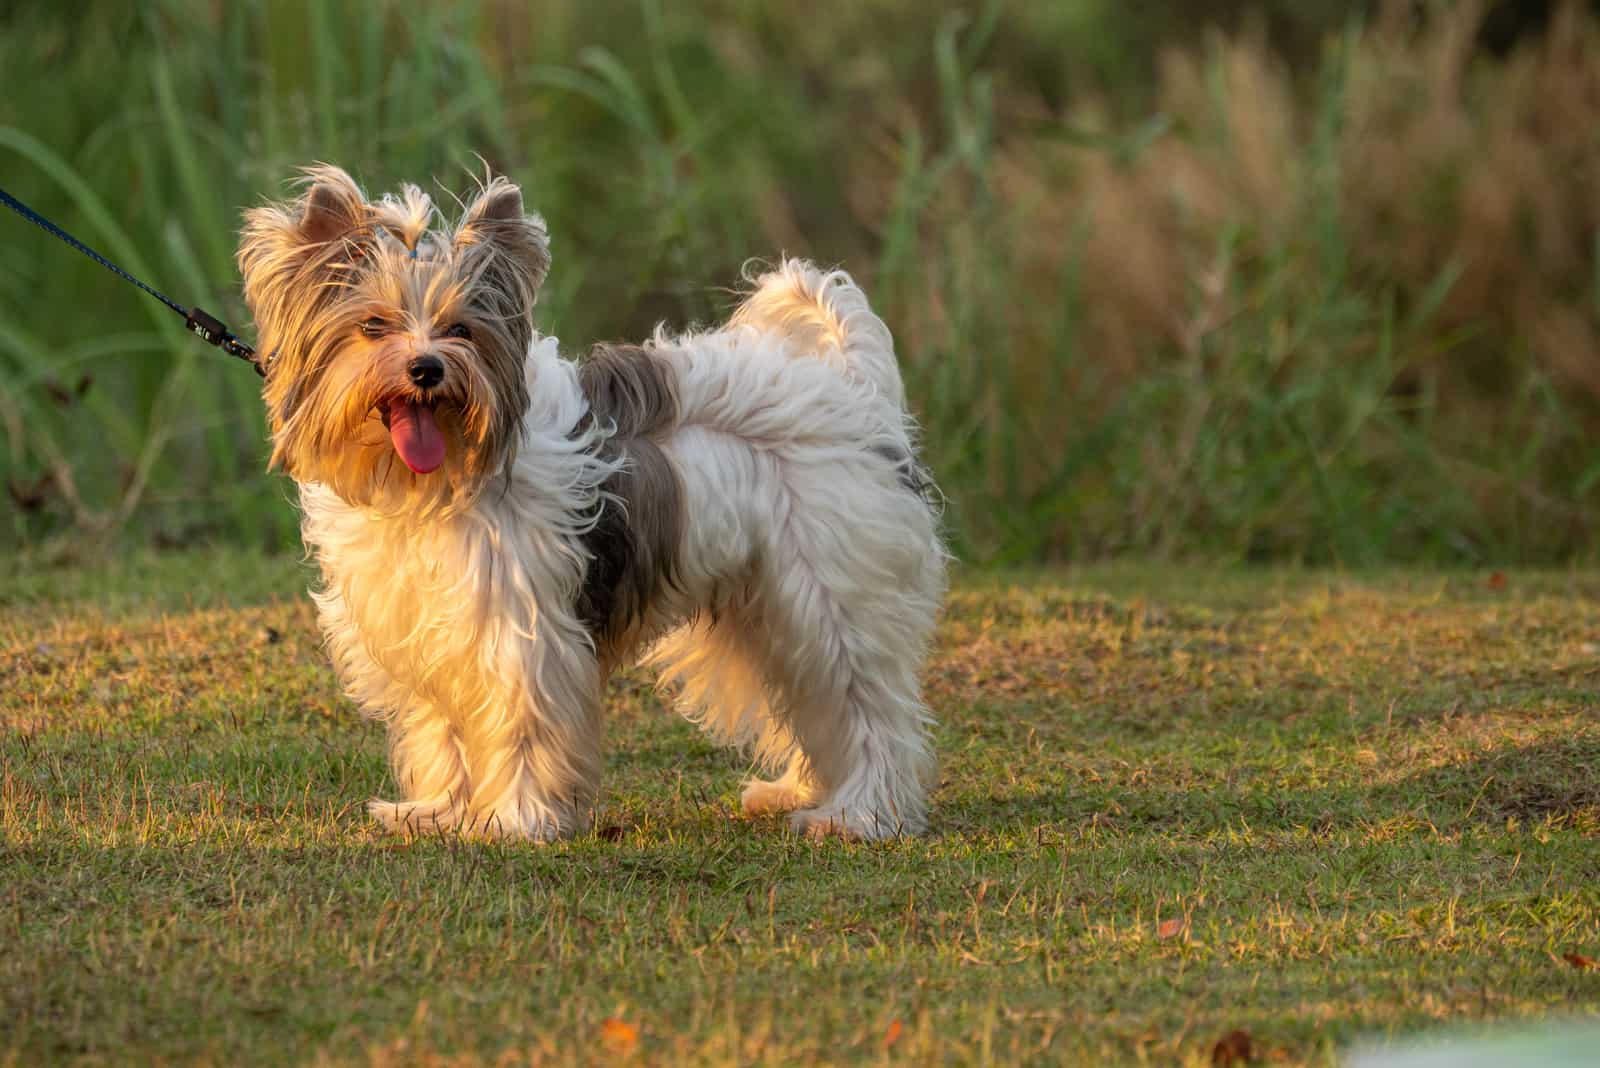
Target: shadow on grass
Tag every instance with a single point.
(1549, 780)
(1557, 779)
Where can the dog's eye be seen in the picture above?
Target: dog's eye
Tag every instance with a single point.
(458, 330)
(375, 327)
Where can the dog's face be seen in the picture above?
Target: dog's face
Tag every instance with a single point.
(397, 344)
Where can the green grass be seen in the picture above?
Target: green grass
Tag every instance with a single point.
(1313, 806)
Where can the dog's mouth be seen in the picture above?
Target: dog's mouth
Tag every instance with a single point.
(415, 433)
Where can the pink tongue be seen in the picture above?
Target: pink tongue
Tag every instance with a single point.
(416, 436)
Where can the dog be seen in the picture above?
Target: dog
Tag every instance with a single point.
(498, 528)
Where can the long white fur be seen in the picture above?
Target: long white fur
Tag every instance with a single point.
(809, 582)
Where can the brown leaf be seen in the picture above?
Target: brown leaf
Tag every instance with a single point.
(1497, 580)
(1579, 961)
(65, 395)
(31, 498)
(1235, 1047)
(58, 392)
(1169, 929)
(618, 1035)
(892, 1034)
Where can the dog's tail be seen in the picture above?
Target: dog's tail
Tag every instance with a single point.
(826, 314)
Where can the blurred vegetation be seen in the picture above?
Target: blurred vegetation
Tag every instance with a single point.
(1226, 281)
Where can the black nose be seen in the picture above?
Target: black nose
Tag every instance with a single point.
(426, 371)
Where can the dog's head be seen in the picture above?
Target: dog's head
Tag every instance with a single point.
(396, 342)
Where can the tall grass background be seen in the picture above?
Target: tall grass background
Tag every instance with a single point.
(1319, 289)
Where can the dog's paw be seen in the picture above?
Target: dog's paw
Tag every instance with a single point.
(852, 824)
(527, 823)
(760, 797)
(424, 816)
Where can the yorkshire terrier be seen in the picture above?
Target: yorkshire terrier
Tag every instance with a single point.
(498, 527)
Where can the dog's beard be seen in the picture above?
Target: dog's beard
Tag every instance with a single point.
(354, 422)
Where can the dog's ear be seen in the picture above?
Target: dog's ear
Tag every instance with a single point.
(495, 220)
(332, 205)
(279, 239)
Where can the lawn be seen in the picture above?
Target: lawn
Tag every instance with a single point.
(1174, 803)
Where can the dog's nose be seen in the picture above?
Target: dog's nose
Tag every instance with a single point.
(426, 371)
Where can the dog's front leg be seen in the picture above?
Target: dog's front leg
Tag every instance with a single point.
(533, 756)
(425, 750)
(425, 753)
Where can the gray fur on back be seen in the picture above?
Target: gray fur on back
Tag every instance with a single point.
(634, 544)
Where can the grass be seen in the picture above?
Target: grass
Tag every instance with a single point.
(1162, 285)
(1313, 806)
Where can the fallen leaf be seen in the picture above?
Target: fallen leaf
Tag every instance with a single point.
(1579, 961)
(619, 1035)
(1497, 580)
(1169, 929)
(30, 498)
(58, 392)
(1235, 1047)
(892, 1034)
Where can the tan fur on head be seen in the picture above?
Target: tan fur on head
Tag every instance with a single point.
(321, 265)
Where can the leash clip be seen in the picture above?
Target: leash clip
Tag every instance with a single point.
(214, 331)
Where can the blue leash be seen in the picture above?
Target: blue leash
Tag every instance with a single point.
(201, 323)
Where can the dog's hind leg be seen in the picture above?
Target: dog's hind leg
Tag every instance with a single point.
(794, 789)
(857, 716)
(815, 666)
(718, 668)
(845, 622)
